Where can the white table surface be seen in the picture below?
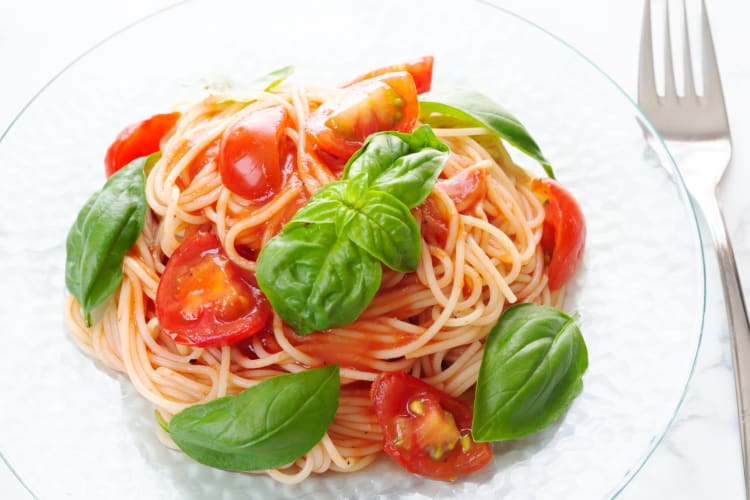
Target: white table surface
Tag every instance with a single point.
(699, 457)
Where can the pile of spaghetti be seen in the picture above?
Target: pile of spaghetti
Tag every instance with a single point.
(481, 249)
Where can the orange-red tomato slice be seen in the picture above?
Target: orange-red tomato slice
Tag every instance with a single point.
(425, 430)
(204, 299)
(251, 154)
(385, 102)
(420, 69)
(564, 231)
(137, 140)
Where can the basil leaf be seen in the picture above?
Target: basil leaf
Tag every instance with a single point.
(323, 207)
(322, 270)
(316, 279)
(249, 92)
(265, 426)
(105, 229)
(274, 78)
(466, 108)
(533, 362)
(403, 165)
(377, 222)
(385, 228)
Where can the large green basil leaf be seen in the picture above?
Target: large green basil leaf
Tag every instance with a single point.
(316, 279)
(466, 108)
(265, 426)
(532, 368)
(105, 229)
(385, 228)
(403, 165)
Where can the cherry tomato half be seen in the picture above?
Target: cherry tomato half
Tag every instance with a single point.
(425, 430)
(420, 69)
(564, 231)
(385, 102)
(204, 299)
(138, 139)
(251, 154)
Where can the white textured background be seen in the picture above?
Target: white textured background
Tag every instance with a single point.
(700, 456)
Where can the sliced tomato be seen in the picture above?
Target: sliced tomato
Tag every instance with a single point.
(251, 154)
(467, 188)
(204, 299)
(138, 139)
(425, 430)
(419, 69)
(564, 231)
(385, 102)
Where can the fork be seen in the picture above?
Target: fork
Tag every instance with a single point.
(696, 132)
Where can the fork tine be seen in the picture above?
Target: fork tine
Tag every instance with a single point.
(711, 80)
(646, 79)
(670, 89)
(686, 57)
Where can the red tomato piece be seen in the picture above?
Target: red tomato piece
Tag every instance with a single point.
(385, 102)
(138, 139)
(204, 299)
(251, 154)
(420, 69)
(467, 188)
(425, 430)
(203, 158)
(564, 231)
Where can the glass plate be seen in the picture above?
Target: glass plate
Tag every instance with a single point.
(71, 428)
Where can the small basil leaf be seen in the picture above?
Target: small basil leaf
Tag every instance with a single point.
(403, 165)
(316, 279)
(249, 92)
(265, 426)
(385, 228)
(105, 229)
(274, 78)
(465, 108)
(532, 368)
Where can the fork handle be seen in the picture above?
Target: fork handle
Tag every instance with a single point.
(739, 329)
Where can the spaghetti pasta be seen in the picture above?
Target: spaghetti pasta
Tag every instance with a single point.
(480, 251)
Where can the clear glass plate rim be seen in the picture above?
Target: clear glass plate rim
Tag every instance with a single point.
(665, 159)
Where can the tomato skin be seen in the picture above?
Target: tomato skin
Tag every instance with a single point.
(138, 139)
(563, 233)
(251, 154)
(467, 188)
(408, 435)
(420, 69)
(386, 102)
(203, 299)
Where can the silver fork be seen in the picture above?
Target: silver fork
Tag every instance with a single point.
(696, 131)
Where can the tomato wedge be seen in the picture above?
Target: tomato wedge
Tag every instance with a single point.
(564, 231)
(420, 69)
(385, 102)
(425, 430)
(251, 154)
(204, 299)
(138, 139)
